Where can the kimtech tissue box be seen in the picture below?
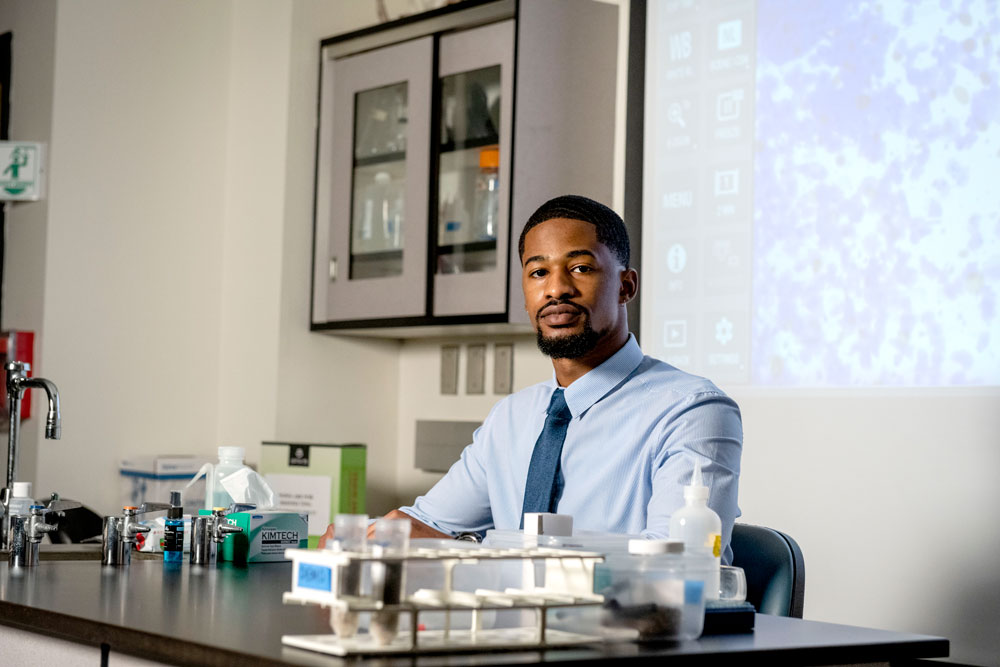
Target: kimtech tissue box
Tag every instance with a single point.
(266, 534)
(320, 480)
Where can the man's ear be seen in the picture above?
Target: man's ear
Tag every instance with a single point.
(629, 286)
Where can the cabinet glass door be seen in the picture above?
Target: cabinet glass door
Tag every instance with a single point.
(374, 147)
(469, 172)
(475, 85)
(379, 182)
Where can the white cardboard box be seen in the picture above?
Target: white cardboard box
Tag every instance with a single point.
(152, 478)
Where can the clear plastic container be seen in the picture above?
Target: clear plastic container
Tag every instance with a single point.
(350, 532)
(655, 594)
(230, 460)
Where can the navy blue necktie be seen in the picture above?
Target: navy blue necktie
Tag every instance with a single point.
(544, 485)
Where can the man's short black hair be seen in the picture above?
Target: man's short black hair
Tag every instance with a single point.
(611, 230)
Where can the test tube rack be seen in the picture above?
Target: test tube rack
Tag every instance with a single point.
(569, 583)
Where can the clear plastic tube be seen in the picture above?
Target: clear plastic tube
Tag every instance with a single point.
(350, 534)
(392, 538)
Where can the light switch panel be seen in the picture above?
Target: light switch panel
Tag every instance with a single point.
(475, 372)
(449, 369)
(503, 368)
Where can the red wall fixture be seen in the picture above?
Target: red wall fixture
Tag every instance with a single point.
(17, 346)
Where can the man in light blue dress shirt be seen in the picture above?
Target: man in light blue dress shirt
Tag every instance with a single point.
(638, 424)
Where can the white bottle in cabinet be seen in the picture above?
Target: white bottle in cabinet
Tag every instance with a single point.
(381, 216)
(454, 226)
(487, 198)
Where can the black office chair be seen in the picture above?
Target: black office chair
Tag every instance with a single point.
(775, 570)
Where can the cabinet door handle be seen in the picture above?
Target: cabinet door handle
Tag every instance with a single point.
(333, 269)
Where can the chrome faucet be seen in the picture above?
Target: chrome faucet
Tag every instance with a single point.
(26, 532)
(17, 383)
(120, 533)
(207, 533)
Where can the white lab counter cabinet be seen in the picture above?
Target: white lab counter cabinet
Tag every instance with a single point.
(438, 136)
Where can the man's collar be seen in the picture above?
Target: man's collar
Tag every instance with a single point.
(592, 387)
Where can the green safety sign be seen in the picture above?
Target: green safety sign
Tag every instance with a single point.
(21, 171)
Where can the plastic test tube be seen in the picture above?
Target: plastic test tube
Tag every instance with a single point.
(392, 538)
(350, 534)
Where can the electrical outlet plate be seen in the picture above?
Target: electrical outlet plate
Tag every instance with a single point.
(449, 369)
(503, 368)
(475, 375)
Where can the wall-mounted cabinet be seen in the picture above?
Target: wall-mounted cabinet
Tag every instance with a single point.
(434, 134)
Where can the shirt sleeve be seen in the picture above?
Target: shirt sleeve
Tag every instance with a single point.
(460, 500)
(705, 428)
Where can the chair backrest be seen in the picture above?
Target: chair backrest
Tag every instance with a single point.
(775, 570)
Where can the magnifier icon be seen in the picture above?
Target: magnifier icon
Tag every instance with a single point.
(676, 115)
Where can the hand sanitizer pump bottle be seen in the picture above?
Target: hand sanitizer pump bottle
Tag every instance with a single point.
(701, 531)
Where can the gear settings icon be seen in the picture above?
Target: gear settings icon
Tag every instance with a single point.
(724, 331)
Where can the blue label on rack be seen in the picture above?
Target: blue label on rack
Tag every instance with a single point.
(318, 577)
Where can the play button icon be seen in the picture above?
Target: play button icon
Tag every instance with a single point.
(675, 333)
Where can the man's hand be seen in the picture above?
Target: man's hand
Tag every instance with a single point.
(418, 529)
(328, 535)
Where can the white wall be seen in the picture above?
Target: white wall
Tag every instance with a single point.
(34, 25)
(132, 272)
(279, 380)
(420, 396)
(330, 389)
(167, 271)
(253, 223)
(890, 494)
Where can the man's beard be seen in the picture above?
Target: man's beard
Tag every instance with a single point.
(573, 346)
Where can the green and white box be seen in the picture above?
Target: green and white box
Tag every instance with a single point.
(266, 534)
(319, 480)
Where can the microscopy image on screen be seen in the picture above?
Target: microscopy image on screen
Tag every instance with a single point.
(863, 140)
(877, 193)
